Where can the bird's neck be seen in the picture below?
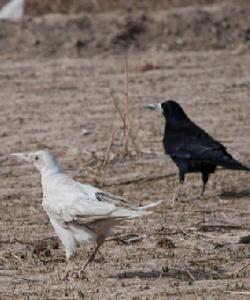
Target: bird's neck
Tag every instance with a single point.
(171, 128)
(47, 172)
(176, 123)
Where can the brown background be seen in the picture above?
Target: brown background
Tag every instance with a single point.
(57, 73)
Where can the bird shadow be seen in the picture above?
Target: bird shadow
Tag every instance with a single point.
(182, 275)
(235, 194)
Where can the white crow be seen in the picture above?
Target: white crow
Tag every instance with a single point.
(13, 10)
(79, 213)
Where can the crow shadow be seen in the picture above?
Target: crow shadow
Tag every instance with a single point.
(235, 194)
(182, 275)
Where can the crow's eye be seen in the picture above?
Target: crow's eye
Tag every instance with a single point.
(36, 157)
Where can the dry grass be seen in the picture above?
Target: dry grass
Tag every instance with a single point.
(42, 112)
(37, 7)
(63, 103)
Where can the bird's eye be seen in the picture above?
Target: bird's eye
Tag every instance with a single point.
(36, 157)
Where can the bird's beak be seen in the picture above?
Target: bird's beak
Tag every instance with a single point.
(23, 156)
(154, 106)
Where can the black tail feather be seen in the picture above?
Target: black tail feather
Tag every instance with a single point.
(228, 162)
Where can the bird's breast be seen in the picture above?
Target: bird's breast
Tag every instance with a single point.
(82, 234)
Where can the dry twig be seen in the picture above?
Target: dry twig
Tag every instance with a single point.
(190, 275)
(106, 158)
(116, 104)
(125, 238)
(14, 255)
(213, 226)
(237, 292)
(237, 271)
(126, 113)
(125, 116)
(21, 278)
(132, 138)
(137, 179)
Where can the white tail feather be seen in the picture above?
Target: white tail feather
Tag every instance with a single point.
(150, 205)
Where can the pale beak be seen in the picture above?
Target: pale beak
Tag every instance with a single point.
(23, 156)
(154, 106)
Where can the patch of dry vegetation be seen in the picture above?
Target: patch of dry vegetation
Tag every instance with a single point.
(37, 7)
(55, 92)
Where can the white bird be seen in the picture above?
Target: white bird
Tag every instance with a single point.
(79, 213)
(13, 10)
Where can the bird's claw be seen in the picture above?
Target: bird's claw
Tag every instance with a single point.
(82, 274)
(66, 276)
(172, 203)
(201, 195)
(74, 274)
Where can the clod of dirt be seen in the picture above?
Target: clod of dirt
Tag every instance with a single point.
(43, 247)
(128, 34)
(147, 67)
(245, 239)
(126, 238)
(166, 243)
(209, 227)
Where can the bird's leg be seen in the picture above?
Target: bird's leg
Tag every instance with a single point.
(99, 241)
(100, 256)
(205, 177)
(202, 190)
(176, 194)
(177, 191)
(68, 269)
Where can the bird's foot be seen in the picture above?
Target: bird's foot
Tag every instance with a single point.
(99, 259)
(74, 274)
(173, 201)
(176, 195)
(201, 196)
(95, 259)
(67, 275)
(82, 274)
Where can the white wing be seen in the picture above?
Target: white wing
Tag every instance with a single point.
(13, 10)
(66, 199)
(71, 202)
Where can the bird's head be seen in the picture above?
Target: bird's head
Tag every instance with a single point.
(170, 109)
(43, 160)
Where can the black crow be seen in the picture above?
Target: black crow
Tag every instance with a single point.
(190, 147)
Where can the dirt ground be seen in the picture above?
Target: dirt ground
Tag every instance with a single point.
(57, 74)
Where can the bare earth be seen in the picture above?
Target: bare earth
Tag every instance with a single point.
(61, 100)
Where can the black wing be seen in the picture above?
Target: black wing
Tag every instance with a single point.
(189, 141)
